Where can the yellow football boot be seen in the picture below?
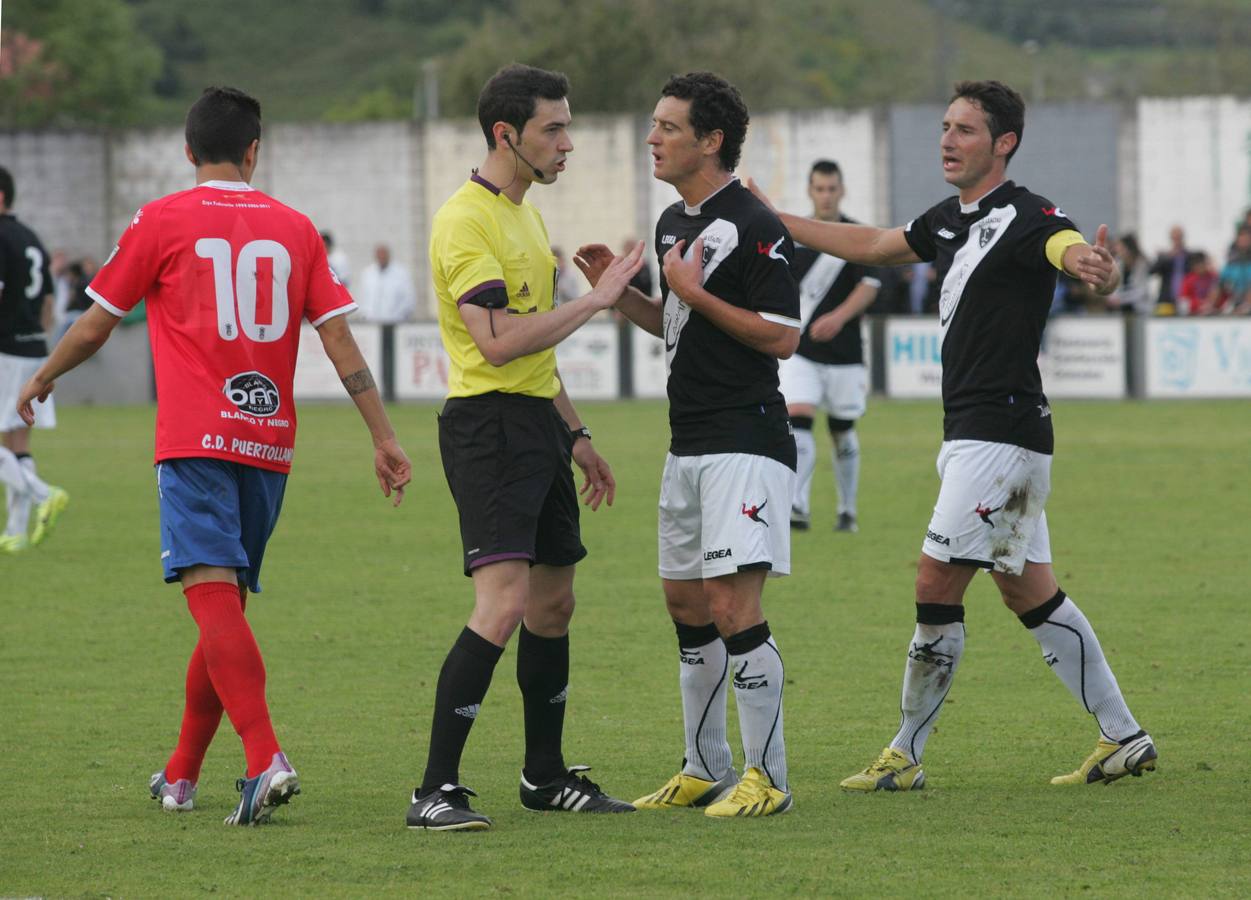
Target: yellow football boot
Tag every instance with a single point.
(687, 790)
(46, 514)
(892, 771)
(1111, 761)
(752, 797)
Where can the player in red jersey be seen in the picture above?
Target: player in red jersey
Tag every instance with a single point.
(229, 274)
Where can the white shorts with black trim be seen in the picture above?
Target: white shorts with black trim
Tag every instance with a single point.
(15, 371)
(990, 506)
(839, 390)
(723, 513)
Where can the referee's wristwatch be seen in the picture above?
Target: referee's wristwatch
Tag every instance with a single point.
(582, 432)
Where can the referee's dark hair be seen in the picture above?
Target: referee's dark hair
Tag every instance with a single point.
(824, 167)
(222, 124)
(716, 105)
(1003, 107)
(7, 187)
(513, 92)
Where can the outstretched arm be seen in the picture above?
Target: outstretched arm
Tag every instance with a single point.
(391, 465)
(1093, 263)
(865, 244)
(501, 337)
(643, 311)
(80, 343)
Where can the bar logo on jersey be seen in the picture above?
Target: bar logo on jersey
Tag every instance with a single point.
(253, 393)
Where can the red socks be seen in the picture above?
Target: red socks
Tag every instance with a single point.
(230, 674)
(200, 718)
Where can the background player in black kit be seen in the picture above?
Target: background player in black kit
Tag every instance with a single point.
(729, 310)
(827, 371)
(997, 249)
(25, 316)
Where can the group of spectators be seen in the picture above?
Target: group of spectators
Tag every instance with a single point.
(1188, 283)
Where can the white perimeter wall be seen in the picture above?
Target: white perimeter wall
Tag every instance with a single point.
(1194, 169)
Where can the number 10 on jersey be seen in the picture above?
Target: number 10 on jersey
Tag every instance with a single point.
(238, 289)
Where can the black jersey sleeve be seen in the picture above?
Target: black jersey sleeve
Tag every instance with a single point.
(768, 255)
(1040, 219)
(919, 233)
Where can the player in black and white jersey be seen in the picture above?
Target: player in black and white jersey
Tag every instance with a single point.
(827, 371)
(25, 316)
(997, 249)
(729, 311)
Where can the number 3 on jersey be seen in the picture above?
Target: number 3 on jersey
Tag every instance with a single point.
(239, 288)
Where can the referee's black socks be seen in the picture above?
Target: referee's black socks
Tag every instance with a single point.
(463, 683)
(543, 676)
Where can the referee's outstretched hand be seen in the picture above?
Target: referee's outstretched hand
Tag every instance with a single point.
(599, 485)
(614, 278)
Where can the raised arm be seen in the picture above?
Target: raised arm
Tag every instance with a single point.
(864, 244)
(391, 465)
(645, 312)
(502, 338)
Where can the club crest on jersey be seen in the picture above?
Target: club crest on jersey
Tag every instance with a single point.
(253, 394)
(986, 232)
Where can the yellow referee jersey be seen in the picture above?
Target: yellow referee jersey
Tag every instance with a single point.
(481, 240)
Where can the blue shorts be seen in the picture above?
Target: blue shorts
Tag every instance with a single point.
(217, 513)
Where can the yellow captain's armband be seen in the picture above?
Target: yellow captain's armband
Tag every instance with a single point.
(1058, 243)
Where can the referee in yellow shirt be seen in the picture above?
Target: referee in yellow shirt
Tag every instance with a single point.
(507, 434)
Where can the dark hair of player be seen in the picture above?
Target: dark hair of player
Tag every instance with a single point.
(716, 105)
(825, 167)
(222, 124)
(512, 94)
(7, 187)
(1003, 107)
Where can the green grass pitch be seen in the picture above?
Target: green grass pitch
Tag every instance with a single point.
(1149, 528)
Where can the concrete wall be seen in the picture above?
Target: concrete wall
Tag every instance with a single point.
(1194, 169)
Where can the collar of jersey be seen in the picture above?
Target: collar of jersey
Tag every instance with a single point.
(698, 208)
(973, 207)
(227, 185)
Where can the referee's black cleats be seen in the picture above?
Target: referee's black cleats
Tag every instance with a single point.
(446, 809)
(571, 792)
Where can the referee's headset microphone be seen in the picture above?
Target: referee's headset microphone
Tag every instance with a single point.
(538, 173)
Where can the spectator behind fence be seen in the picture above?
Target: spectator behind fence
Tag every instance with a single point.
(1233, 294)
(1198, 287)
(1134, 295)
(337, 258)
(1171, 266)
(386, 294)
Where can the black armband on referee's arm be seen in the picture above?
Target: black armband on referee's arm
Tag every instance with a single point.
(491, 295)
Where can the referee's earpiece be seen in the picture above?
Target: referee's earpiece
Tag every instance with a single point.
(538, 173)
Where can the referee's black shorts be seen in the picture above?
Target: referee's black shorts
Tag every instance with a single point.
(507, 461)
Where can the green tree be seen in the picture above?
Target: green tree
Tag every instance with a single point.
(92, 65)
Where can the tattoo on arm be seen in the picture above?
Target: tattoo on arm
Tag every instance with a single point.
(358, 382)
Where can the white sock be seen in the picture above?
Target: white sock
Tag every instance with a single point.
(35, 485)
(702, 672)
(14, 480)
(847, 469)
(805, 463)
(19, 505)
(756, 667)
(1072, 651)
(933, 657)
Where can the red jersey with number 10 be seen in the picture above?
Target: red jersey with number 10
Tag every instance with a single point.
(228, 273)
